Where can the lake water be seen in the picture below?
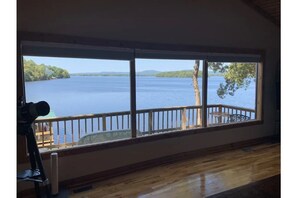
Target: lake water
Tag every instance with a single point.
(100, 94)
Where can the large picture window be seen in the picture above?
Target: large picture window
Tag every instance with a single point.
(100, 95)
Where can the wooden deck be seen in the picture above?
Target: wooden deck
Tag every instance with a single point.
(199, 177)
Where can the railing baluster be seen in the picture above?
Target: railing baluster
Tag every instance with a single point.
(184, 119)
(143, 122)
(65, 134)
(167, 114)
(153, 120)
(171, 119)
(214, 118)
(220, 110)
(78, 122)
(138, 121)
(51, 134)
(117, 122)
(128, 121)
(180, 118)
(58, 133)
(188, 117)
(92, 124)
(224, 112)
(72, 132)
(150, 118)
(98, 124)
(158, 121)
(208, 113)
(42, 132)
(226, 118)
(162, 119)
(211, 115)
(103, 123)
(193, 123)
(85, 126)
(123, 121)
(176, 119)
(110, 119)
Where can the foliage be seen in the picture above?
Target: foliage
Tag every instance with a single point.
(178, 74)
(34, 72)
(237, 75)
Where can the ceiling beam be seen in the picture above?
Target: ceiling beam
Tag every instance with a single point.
(265, 14)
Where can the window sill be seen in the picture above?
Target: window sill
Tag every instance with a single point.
(155, 137)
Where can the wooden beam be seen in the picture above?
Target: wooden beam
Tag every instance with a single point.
(262, 12)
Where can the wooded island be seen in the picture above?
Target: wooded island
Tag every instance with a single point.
(35, 72)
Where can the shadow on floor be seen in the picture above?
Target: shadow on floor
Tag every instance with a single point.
(269, 188)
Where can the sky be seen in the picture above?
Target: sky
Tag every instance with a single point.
(80, 65)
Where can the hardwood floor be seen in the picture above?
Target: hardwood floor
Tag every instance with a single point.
(199, 177)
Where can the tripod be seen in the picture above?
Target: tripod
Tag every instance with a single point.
(36, 173)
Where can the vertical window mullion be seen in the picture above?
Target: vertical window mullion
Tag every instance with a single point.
(204, 92)
(259, 88)
(133, 98)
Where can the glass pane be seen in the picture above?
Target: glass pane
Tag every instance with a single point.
(165, 95)
(231, 92)
(89, 100)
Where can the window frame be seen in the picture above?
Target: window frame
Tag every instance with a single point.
(163, 48)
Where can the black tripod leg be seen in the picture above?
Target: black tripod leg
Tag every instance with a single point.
(32, 158)
(37, 190)
(34, 152)
(31, 152)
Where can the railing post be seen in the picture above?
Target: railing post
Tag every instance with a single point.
(220, 113)
(51, 133)
(104, 123)
(150, 124)
(184, 119)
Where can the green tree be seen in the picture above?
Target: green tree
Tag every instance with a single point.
(236, 75)
(197, 90)
(34, 72)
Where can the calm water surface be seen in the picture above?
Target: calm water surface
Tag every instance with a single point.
(100, 94)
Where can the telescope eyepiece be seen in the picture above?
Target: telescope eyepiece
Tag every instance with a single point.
(30, 111)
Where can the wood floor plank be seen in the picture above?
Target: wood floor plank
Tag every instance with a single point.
(198, 177)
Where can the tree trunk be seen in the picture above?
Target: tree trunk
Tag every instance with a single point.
(197, 91)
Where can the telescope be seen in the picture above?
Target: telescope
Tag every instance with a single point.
(27, 113)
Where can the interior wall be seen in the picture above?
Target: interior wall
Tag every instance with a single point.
(221, 23)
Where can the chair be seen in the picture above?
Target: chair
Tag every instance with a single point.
(238, 118)
(104, 136)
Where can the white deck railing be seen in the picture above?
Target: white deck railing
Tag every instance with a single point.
(66, 131)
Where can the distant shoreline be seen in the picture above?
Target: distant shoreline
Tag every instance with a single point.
(170, 74)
